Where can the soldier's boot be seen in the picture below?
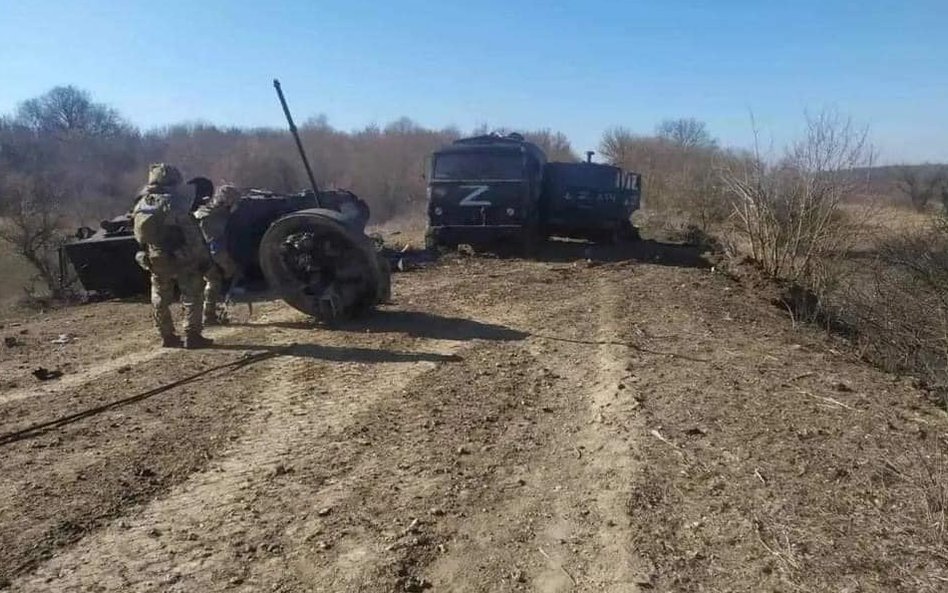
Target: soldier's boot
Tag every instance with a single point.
(196, 341)
(171, 341)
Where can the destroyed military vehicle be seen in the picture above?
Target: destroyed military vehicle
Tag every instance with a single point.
(309, 249)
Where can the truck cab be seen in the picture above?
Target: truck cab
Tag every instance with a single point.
(485, 191)
(589, 200)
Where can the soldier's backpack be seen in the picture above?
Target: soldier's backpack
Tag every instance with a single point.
(154, 224)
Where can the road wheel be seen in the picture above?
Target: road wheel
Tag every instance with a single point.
(321, 267)
(531, 239)
(431, 241)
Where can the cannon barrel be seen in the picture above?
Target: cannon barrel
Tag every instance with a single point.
(296, 137)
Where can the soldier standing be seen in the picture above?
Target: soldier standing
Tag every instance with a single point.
(212, 218)
(173, 252)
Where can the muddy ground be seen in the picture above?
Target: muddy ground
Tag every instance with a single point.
(635, 423)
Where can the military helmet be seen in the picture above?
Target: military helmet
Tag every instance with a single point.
(162, 174)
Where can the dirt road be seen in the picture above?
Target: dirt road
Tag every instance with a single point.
(640, 424)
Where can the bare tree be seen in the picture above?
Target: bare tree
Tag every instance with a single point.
(555, 144)
(66, 111)
(686, 132)
(616, 145)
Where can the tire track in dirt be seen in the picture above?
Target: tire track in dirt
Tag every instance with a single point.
(368, 462)
(156, 549)
(72, 481)
(611, 442)
(337, 471)
(567, 529)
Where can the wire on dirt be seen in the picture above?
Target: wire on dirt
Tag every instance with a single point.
(44, 427)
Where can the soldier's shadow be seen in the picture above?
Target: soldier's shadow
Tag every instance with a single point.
(342, 353)
(417, 324)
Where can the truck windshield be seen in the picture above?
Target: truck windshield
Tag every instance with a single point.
(478, 166)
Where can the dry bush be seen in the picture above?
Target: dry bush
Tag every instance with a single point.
(884, 284)
(789, 213)
(920, 184)
(898, 308)
(31, 224)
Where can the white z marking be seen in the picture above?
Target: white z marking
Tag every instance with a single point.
(471, 198)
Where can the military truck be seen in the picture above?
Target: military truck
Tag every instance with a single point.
(484, 191)
(589, 201)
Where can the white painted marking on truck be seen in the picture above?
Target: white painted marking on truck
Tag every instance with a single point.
(471, 198)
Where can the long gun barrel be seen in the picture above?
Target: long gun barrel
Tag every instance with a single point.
(296, 136)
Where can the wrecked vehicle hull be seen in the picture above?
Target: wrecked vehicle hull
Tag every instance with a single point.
(312, 253)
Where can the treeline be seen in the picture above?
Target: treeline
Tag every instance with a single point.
(62, 148)
(681, 165)
(67, 160)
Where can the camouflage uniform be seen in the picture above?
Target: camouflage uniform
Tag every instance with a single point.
(212, 218)
(177, 257)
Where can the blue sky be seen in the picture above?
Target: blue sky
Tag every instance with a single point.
(578, 67)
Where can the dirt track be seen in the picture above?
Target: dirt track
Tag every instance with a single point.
(505, 425)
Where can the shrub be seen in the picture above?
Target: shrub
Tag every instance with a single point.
(789, 212)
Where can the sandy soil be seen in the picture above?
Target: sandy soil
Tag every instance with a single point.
(634, 423)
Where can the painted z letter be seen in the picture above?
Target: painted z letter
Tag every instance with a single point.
(471, 198)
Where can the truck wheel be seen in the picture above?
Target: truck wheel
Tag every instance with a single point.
(629, 232)
(321, 266)
(528, 245)
(431, 241)
(531, 240)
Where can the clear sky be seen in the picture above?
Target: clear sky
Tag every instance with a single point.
(579, 67)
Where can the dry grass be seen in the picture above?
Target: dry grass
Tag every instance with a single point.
(16, 274)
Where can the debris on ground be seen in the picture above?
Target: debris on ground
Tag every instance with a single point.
(44, 374)
(63, 339)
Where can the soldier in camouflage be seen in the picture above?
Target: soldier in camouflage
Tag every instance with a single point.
(174, 252)
(212, 218)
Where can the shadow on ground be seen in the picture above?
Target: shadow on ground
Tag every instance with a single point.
(341, 353)
(644, 251)
(418, 324)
